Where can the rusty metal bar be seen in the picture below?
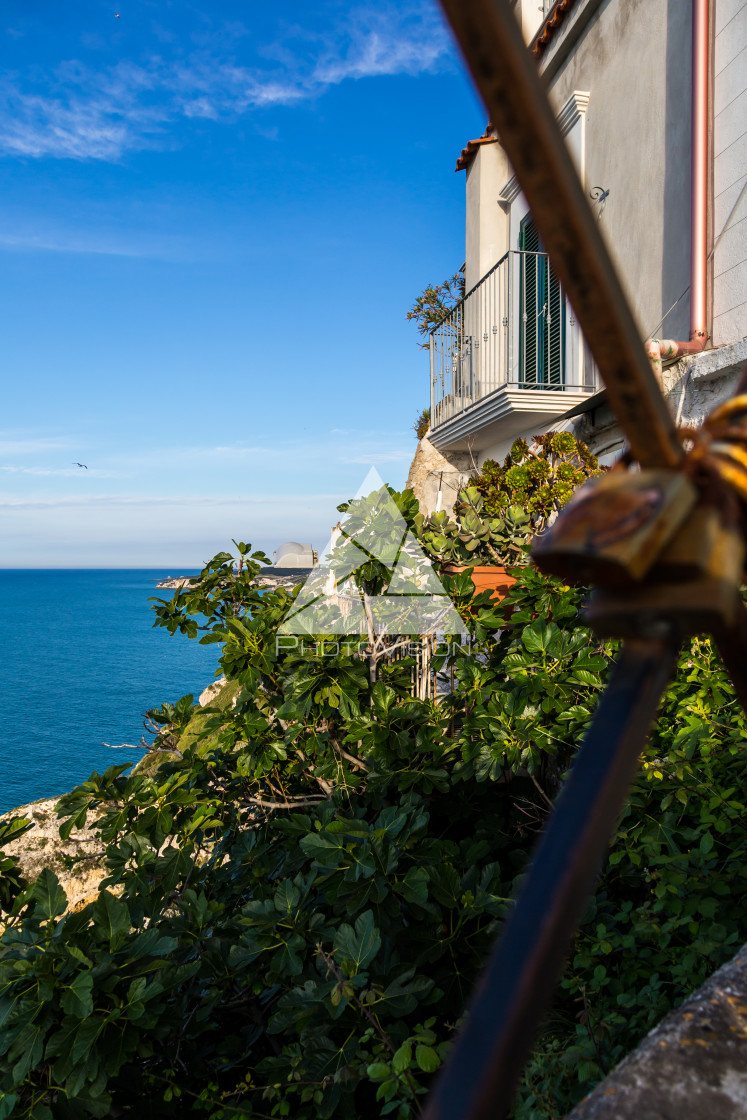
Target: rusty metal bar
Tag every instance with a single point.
(480, 1076)
(506, 77)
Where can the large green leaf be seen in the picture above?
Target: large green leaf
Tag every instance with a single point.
(7, 1104)
(111, 918)
(13, 829)
(358, 946)
(287, 897)
(78, 999)
(48, 895)
(538, 637)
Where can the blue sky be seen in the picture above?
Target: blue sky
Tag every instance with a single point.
(214, 218)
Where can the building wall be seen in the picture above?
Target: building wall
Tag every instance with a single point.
(730, 171)
(634, 59)
(530, 14)
(487, 222)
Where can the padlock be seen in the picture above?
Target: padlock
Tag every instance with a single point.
(694, 587)
(615, 528)
(704, 547)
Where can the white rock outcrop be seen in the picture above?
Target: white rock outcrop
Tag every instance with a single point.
(77, 862)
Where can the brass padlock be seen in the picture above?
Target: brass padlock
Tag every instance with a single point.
(615, 528)
(704, 547)
(693, 587)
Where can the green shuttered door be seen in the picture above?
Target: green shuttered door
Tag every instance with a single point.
(542, 328)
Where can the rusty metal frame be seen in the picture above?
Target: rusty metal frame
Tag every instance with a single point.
(518, 982)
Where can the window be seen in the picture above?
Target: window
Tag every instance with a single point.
(542, 310)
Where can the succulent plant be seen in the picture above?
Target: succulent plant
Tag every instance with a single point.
(472, 537)
(504, 506)
(540, 478)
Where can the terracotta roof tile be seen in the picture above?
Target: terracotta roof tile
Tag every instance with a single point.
(541, 41)
(468, 153)
(555, 17)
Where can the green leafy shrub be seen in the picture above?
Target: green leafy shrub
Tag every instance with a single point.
(422, 423)
(12, 881)
(434, 303)
(296, 909)
(502, 507)
(670, 904)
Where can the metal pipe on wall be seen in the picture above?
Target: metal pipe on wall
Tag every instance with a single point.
(699, 171)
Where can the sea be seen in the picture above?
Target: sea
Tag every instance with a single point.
(80, 664)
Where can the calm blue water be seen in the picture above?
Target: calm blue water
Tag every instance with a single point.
(79, 664)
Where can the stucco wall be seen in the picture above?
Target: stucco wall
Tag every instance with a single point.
(730, 171)
(530, 14)
(487, 222)
(634, 59)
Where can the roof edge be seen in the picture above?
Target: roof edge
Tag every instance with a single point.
(552, 23)
(469, 152)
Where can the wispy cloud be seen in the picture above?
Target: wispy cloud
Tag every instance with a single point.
(14, 444)
(328, 446)
(374, 456)
(159, 248)
(379, 47)
(63, 472)
(99, 115)
(272, 502)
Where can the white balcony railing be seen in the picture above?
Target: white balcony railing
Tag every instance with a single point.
(514, 329)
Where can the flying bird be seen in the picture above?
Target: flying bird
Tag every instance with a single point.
(81, 465)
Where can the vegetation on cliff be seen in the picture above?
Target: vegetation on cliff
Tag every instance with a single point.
(434, 303)
(296, 909)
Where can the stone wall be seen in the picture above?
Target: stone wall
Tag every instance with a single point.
(431, 470)
(692, 1066)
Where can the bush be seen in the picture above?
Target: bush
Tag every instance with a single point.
(297, 909)
(434, 303)
(422, 424)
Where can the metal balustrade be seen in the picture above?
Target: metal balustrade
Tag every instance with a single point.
(509, 330)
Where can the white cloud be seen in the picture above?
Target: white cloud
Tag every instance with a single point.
(114, 501)
(294, 457)
(377, 457)
(115, 530)
(65, 472)
(378, 47)
(101, 115)
(33, 445)
(161, 248)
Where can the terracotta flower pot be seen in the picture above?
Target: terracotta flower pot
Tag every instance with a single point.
(486, 577)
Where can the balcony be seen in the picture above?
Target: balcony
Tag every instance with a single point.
(508, 357)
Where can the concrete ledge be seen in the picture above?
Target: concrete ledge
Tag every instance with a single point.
(724, 361)
(502, 414)
(692, 1066)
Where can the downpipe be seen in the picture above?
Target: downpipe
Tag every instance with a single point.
(699, 171)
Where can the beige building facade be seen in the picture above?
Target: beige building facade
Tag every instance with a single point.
(510, 360)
